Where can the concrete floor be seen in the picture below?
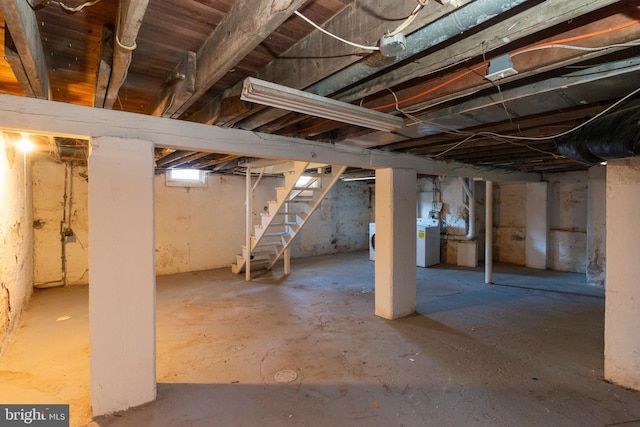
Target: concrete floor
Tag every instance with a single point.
(527, 351)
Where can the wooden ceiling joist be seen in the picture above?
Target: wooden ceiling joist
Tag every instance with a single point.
(359, 21)
(25, 53)
(246, 25)
(518, 27)
(104, 66)
(130, 15)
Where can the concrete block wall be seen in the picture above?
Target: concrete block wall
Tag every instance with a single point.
(16, 235)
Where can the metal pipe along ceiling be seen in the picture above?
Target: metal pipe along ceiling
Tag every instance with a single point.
(451, 25)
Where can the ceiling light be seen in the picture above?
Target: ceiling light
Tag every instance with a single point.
(361, 178)
(274, 95)
(24, 144)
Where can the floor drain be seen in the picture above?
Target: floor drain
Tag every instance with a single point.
(286, 376)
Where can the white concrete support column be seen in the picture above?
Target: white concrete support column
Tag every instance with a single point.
(395, 267)
(596, 225)
(488, 241)
(622, 307)
(537, 225)
(123, 282)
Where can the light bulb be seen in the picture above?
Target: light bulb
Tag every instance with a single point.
(25, 145)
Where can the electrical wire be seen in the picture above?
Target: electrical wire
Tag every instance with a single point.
(318, 27)
(409, 19)
(508, 138)
(580, 48)
(581, 36)
(76, 8)
(581, 125)
(412, 16)
(552, 44)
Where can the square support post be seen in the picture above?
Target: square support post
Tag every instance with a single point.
(395, 266)
(622, 305)
(122, 265)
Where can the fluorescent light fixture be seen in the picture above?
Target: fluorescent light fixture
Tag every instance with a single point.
(274, 95)
(360, 178)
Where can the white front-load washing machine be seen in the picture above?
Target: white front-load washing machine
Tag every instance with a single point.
(372, 241)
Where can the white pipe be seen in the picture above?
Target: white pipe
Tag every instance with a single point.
(471, 208)
(488, 245)
(249, 206)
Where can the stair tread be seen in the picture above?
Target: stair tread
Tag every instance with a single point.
(266, 252)
(266, 244)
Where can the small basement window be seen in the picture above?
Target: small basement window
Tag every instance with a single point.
(186, 178)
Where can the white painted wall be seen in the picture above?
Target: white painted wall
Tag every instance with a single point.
(568, 221)
(341, 223)
(196, 228)
(537, 225)
(597, 226)
(16, 235)
(48, 199)
(454, 215)
(203, 228)
(509, 223)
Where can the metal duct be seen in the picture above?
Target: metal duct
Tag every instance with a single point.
(614, 136)
(459, 21)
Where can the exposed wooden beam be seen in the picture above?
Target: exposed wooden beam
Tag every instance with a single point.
(243, 28)
(318, 56)
(169, 158)
(13, 58)
(23, 114)
(130, 15)
(178, 86)
(471, 80)
(564, 119)
(185, 160)
(220, 160)
(29, 65)
(104, 66)
(540, 17)
(535, 19)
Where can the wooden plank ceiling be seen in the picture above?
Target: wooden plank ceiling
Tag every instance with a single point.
(187, 59)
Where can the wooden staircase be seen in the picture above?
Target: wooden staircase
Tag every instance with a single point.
(305, 186)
